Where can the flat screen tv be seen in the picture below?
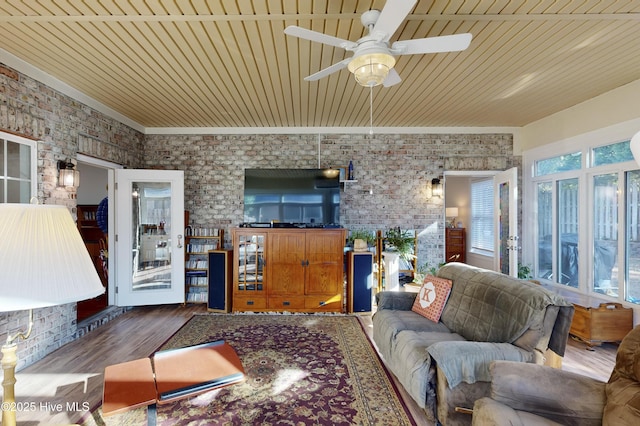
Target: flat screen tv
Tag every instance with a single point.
(291, 196)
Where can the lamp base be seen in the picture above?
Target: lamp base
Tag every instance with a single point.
(9, 362)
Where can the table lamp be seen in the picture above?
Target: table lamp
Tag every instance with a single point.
(43, 262)
(451, 212)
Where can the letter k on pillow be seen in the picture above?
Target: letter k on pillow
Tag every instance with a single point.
(432, 297)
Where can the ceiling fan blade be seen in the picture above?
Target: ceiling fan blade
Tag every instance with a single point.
(392, 15)
(449, 43)
(329, 70)
(310, 35)
(392, 79)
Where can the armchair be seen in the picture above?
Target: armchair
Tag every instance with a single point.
(531, 394)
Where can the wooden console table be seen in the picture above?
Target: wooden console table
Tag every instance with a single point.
(597, 321)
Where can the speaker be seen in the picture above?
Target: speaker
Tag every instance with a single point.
(359, 281)
(220, 280)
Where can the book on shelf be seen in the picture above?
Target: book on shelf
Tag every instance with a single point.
(197, 264)
(201, 247)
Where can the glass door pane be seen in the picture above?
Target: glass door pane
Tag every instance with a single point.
(568, 208)
(151, 242)
(503, 227)
(506, 245)
(605, 234)
(632, 293)
(545, 230)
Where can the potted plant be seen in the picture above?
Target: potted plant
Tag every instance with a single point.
(361, 234)
(401, 242)
(423, 271)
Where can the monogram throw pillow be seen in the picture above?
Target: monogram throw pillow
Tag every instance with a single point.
(432, 297)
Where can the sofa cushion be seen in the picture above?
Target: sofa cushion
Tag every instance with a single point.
(432, 297)
(388, 323)
(488, 306)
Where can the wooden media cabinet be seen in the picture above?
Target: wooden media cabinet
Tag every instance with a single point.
(288, 269)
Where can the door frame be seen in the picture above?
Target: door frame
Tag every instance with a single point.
(111, 167)
(479, 174)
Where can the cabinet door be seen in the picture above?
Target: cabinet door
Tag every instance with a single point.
(248, 276)
(287, 263)
(324, 273)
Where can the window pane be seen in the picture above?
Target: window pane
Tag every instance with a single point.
(605, 234)
(482, 215)
(632, 293)
(18, 191)
(2, 145)
(610, 154)
(561, 163)
(18, 160)
(568, 232)
(545, 228)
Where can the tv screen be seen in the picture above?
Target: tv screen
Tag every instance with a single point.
(291, 196)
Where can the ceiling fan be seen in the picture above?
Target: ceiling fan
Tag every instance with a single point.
(373, 59)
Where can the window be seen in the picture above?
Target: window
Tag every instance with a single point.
(605, 234)
(632, 234)
(17, 169)
(567, 249)
(482, 216)
(611, 154)
(545, 230)
(561, 163)
(587, 220)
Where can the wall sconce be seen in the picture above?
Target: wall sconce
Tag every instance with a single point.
(436, 188)
(67, 174)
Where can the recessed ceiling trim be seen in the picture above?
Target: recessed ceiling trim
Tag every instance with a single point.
(326, 130)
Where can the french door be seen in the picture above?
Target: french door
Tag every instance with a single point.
(505, 193)
(149, 241)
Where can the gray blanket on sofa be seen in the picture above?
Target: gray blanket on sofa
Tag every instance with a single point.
(490, 308)
(469, 361)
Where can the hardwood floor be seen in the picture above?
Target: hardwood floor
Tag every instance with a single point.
(73, 374)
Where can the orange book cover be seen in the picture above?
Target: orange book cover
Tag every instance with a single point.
(194, 369)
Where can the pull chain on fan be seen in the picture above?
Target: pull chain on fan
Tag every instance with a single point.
(371, 110)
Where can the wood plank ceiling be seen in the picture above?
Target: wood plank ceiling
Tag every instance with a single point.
(224, 63)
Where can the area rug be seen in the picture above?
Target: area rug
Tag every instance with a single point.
(300, 370)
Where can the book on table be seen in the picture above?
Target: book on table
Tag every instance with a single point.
(169, 375)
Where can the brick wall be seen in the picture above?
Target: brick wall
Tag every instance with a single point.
(396, 168)
(393, 173)
(60, 124)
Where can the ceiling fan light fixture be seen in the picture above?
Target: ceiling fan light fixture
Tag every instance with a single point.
(371, 69)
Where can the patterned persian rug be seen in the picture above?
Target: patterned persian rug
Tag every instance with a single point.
(300, 370)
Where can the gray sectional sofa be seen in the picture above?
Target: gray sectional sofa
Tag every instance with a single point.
(488, 316)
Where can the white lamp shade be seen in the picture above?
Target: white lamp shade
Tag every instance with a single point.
(635, 147)
(451, 212)
(43, 259)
